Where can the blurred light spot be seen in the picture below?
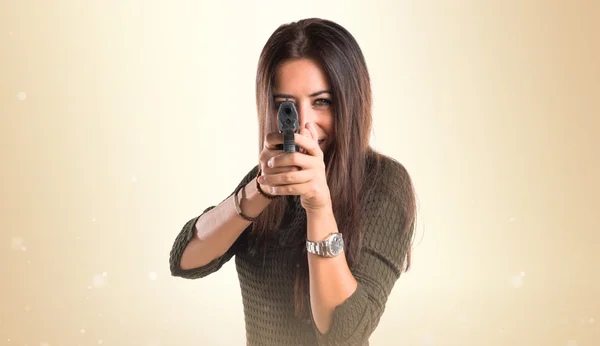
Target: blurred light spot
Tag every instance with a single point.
(98, 281)
(572, 343)
(522, 273)
(27, 308)
(99, 342)
(592, 320)
(104, 273)
(512, 219)
(464, 318)
(93, 219)
(133, 178)
(152, 276)
(89, 287)
(16, 243)
(44, 344)
(82, 331)
(21, 96)
(516, 281)
(23, 248)
(428, 339)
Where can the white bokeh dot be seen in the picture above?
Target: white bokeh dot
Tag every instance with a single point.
(21, 96)
(98, 281)
(104, 274)
(82, 331)
(99, 342)
(23, 248)
(428, 339)
(152, 276)
(134, 178)
(516, 281)
(522, 273)
(592, 320)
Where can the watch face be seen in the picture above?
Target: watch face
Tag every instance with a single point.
(337, 244)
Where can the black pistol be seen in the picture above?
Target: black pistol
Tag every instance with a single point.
(287, 120)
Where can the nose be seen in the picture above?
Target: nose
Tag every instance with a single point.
(305, 115)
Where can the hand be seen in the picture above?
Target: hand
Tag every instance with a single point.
(269, 150)
(310, 182)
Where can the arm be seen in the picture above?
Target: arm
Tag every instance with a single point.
(347, 304)
(207, 241)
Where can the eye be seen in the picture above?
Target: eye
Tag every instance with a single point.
(323, 102)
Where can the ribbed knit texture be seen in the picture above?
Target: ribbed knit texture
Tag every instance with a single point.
(267, 282)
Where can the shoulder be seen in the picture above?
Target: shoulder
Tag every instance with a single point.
(391, 194)
(388, 175)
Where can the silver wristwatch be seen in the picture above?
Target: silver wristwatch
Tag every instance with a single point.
(330, 247)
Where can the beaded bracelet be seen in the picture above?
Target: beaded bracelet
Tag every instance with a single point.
(237, 205)
(266, 195)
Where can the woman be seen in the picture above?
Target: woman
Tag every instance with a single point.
(337, 187)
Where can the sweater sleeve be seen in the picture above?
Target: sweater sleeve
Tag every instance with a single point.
(388, 228)
(187, 233)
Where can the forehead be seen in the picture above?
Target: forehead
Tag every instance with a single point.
(301, 76)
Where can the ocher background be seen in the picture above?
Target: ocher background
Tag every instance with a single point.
(122, 120)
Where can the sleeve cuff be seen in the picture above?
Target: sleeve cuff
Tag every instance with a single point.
(184, 237)
(350, 323)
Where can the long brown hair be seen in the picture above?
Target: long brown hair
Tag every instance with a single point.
(341, 59)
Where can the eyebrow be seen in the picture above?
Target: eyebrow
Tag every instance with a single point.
(287, 96)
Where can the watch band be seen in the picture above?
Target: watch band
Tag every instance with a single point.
(322, 248)
(316, 248)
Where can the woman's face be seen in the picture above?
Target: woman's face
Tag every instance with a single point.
(303, 82)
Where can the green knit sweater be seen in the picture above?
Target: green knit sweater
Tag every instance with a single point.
(267, 281)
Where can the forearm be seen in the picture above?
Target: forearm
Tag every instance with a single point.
(217, 229)
(331, 281)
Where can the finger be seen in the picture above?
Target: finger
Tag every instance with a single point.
(272, 139)
(306, 133)
(278, 170)
(310, 145)
(287, 178)
(293, 189)
(313, 131)
(291, 159)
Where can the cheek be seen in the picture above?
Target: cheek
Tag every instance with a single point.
(327, 125)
